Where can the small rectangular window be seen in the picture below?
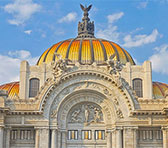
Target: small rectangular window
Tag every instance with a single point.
(86, 134)
(73, 135)
(137, 87)
(158, 134)
(99, 134)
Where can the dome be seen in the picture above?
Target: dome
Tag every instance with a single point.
(85, 48)
(12, 89)
(86, 51)
(159, 90)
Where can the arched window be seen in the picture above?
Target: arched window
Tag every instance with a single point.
(137, 86)
(34, 84)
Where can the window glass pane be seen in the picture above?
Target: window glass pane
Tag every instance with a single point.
(72, 135)
(99, 134)
(86, 134)
(33, 87)
(137, 86)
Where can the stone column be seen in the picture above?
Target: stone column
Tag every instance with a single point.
(113, 138)
(7, 138)
(37, 134)
(59, 139)
(64, 138)
(1, 137)
(130, 137)
(109, 139)
(165, 137)
(119, 140)
(44, 137)
(53, 138)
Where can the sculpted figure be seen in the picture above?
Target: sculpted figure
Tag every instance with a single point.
(86, 114)
(59, 65)
(74, 117)
(96, 115)
(85, 9)
(115, 66)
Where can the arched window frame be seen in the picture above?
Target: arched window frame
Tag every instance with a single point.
(34, 85)
(138, 87)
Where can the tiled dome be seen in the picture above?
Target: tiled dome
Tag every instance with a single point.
(159, 90)
(12, 89)
(86, 51)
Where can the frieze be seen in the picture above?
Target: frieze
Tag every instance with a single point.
(86, 113)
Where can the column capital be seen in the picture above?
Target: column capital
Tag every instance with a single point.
(130, 127)
(118, 128)
(41, 127)
(164, 128)
(54, 127)
(63, 130)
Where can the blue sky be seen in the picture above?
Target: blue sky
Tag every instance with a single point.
(29, 27)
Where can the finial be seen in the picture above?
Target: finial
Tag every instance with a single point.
(86, 28)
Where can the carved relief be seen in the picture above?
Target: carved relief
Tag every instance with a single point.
(106, 91)
(54, 113)
(86, 113)
(116, 101)
(119, 113)
(59, 66)
(115, 66)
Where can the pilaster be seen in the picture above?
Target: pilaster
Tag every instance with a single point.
(1, 137)
(64, 138)
(109, 139)
(23, 86)
(42, 137)
(54, 139)
(7, 137)
(130, 137)
(37, 138)
(119, 137)
(165, 137)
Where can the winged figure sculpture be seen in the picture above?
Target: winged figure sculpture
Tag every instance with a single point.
(85, 9)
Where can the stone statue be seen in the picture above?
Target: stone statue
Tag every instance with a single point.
(86, 28)
(96, 115)
(59, 65)
(86, 114)
(85, 9)
(115, 66)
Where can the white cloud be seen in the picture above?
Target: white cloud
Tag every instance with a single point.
(142, 5)
(114, 17)
(10, 65)
(22, 10)
(70, 17)
(139, 40)
(28, 32)
(110, 32)
(159, 59)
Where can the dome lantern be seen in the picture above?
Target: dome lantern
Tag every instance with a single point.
(86, 28)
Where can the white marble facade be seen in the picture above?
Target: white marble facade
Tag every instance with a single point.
(86, 107)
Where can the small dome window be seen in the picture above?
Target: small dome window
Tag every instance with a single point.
(34, 84)
(137, 87)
